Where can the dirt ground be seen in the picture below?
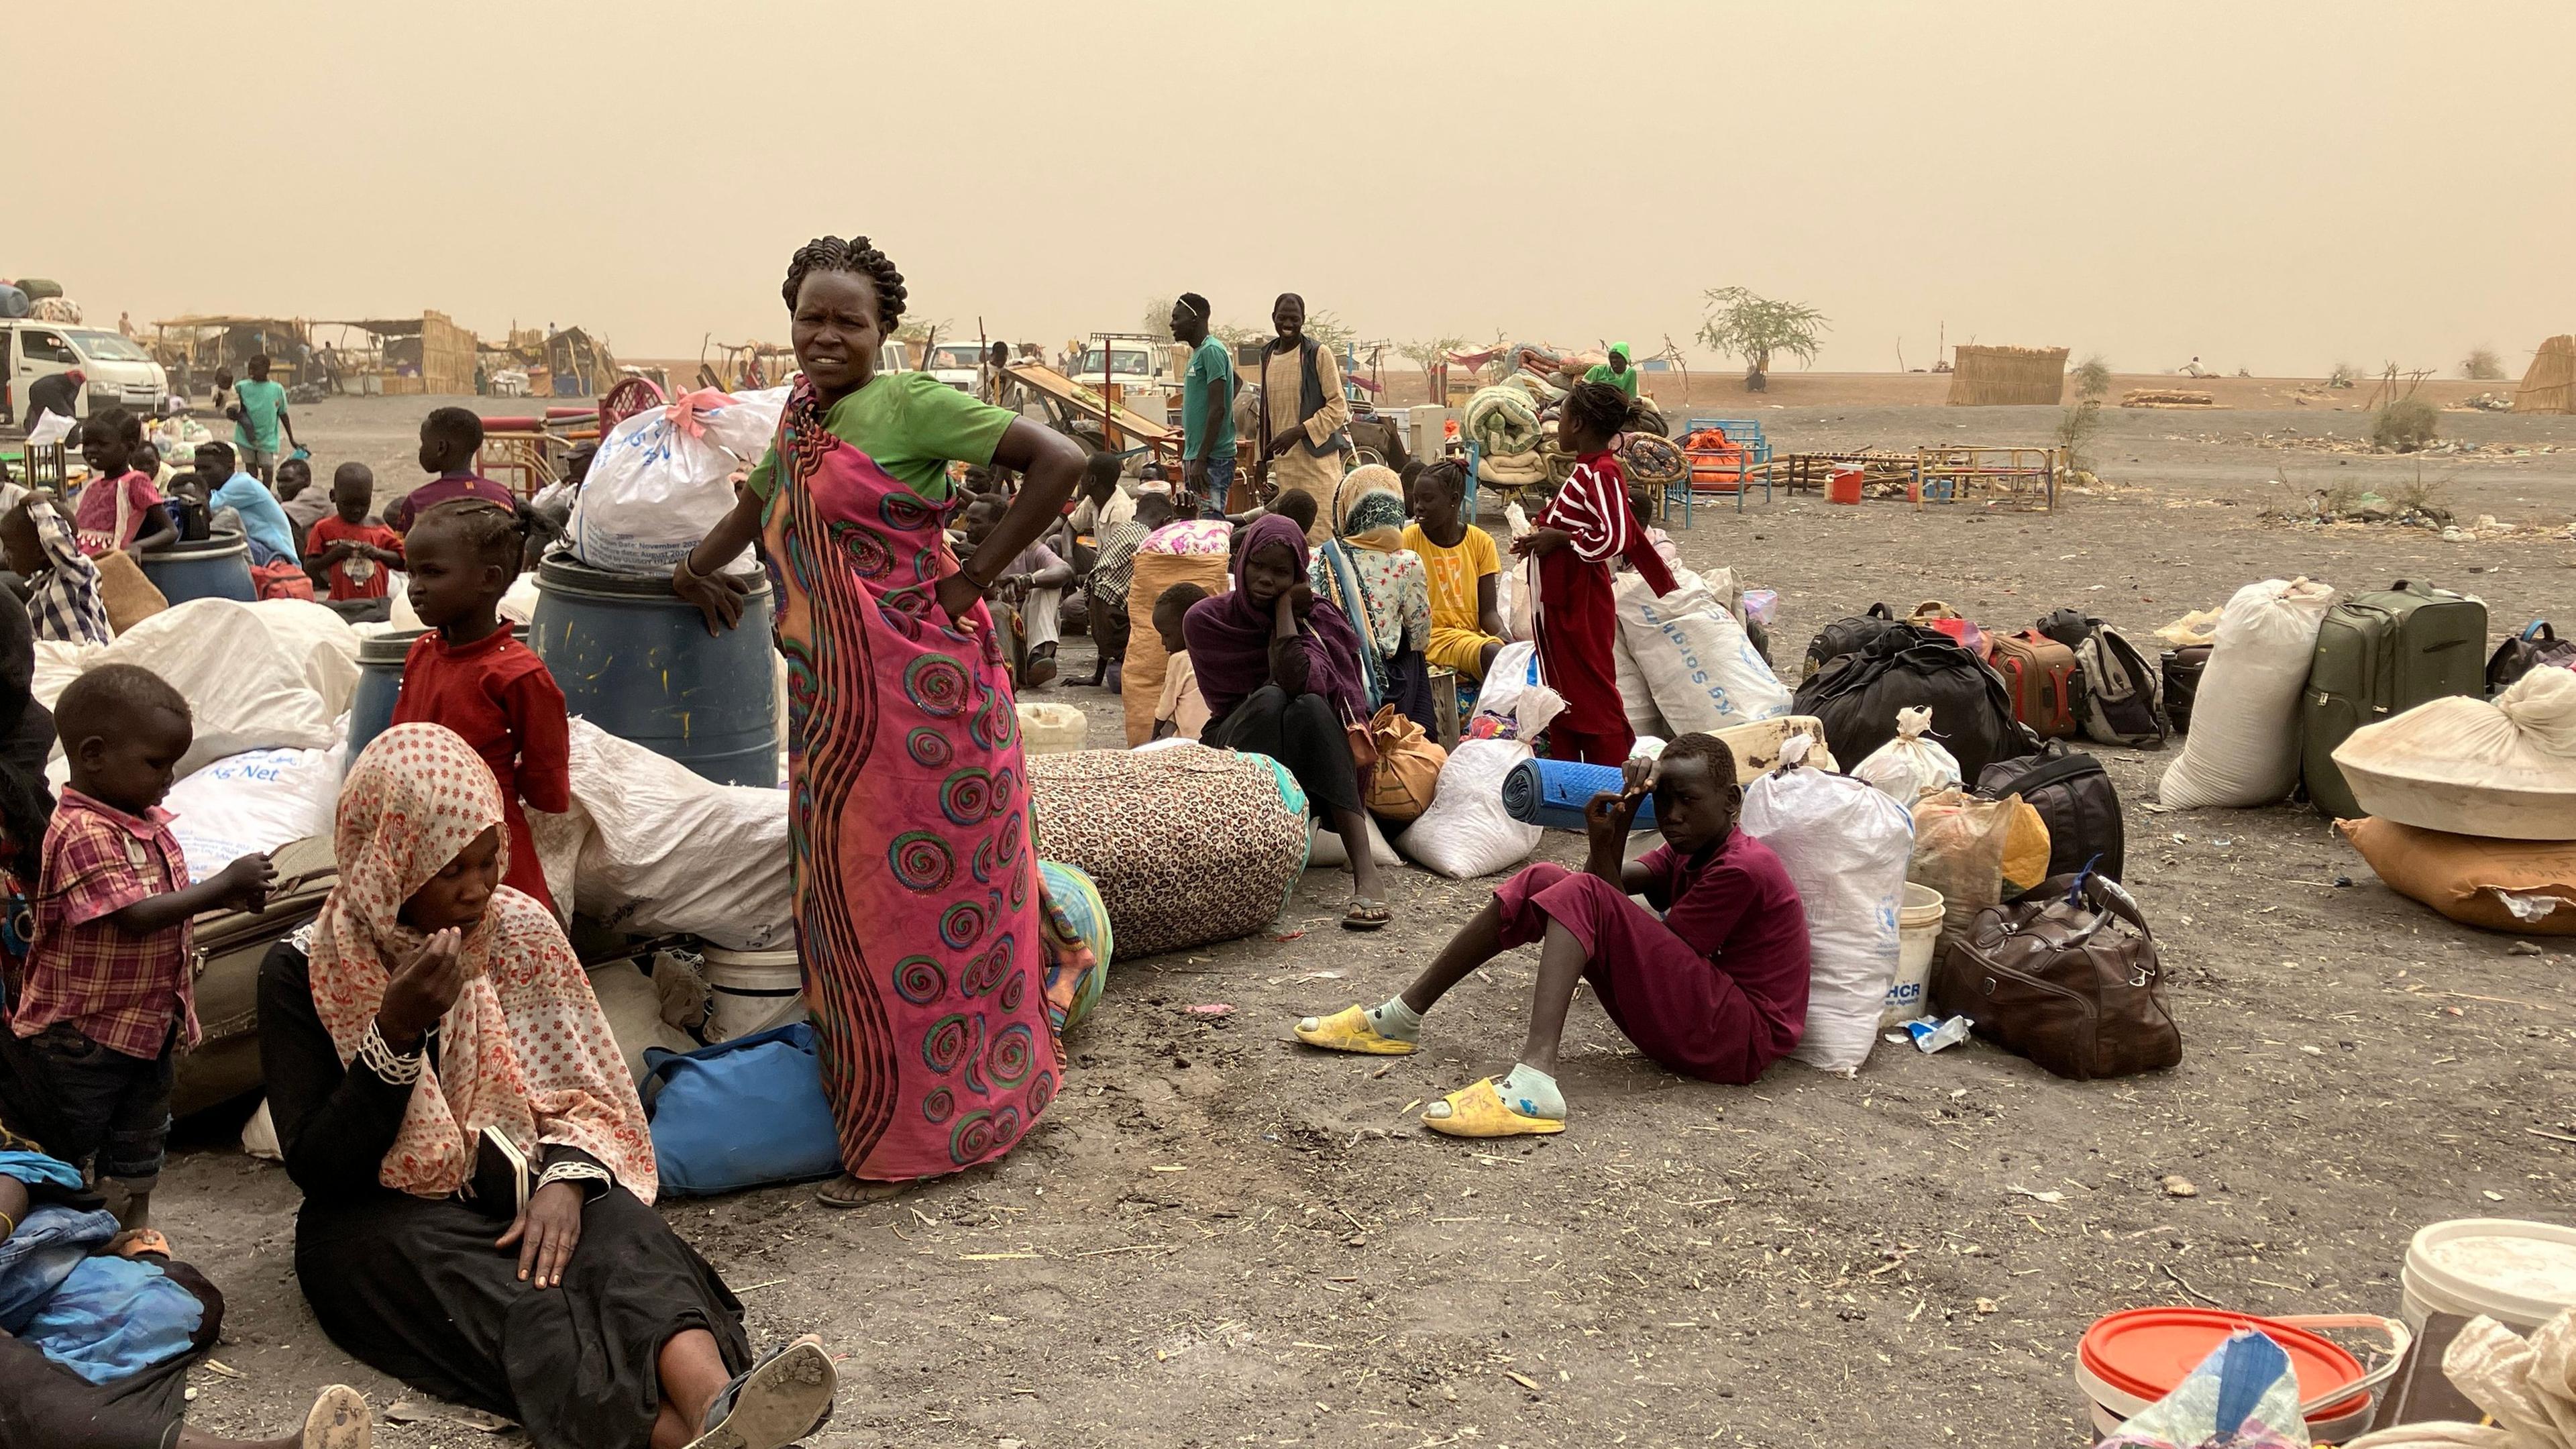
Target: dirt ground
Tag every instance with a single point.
(1218, 1238)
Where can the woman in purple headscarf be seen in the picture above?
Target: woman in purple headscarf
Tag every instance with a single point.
(1280, 670)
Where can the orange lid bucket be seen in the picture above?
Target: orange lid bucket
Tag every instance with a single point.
(2145, 1353)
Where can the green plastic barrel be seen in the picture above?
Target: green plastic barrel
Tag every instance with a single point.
(636, 660)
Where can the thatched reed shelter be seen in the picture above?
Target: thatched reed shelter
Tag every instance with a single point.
(2550, 385)
(2007, 376)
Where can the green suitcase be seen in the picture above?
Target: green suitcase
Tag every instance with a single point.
(2380, 655)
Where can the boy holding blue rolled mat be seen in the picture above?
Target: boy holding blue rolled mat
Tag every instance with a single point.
(1714, 988)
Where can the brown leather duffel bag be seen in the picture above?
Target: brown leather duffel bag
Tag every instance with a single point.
(2068, 977)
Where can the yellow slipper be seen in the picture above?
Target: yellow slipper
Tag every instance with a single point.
(1478, 1110)
(1349, 1031)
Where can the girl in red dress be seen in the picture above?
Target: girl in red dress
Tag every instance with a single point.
(1586, 525)
(470, 675)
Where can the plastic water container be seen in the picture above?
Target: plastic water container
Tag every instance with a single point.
(1843, 486)
(636, 660)
(2520, 1274)
(371, 705)
(1051, 729)
(1918, 933)
(753, 991)
(211, 568)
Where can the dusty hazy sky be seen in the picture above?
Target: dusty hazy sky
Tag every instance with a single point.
(2272, 185)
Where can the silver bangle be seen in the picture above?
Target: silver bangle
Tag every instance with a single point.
(400, 1069)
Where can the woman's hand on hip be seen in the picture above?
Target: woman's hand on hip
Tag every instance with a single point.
(546, 1231)
(958, 596)
(421, 990)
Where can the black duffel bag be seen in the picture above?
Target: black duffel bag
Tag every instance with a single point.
(1858, 695)
(2075, 798)
(1850, 636)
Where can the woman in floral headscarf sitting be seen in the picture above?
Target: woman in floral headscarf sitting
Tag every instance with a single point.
(1365, 571)
(476, 1168)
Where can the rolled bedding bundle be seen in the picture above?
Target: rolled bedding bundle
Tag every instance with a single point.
(1521, 471)
(1654, 460)
(1553, 793)
(1503, 420)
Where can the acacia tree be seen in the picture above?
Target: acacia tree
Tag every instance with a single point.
(1428, 353)
(1754, 328)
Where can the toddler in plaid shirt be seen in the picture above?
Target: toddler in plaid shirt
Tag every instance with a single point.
(108, 992)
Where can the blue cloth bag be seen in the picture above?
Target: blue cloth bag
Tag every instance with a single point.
(745, 1113)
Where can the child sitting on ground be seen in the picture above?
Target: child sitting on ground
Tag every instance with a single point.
(305, 506)
(1715, 989)
(450, 440)
(109, 995)
(1181, 712)
(63, 602)
(471, 676)
(349, 553)
(1464, 566)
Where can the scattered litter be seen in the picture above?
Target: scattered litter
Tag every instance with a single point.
(2178, 1186)
(1210, 1008)
(2052, 1195)
(2522, 948)
(1930, 1034)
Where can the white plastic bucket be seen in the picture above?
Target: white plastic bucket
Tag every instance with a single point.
(2520, 1274)
(754, 991)
(1918, 931)
(1051, 729)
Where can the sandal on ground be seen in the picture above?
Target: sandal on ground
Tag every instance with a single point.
(1479, 1110)
(1350, 1031)
(1367, 913)
(1039, 671)
(339, 1420)
(846, 1191)
(783, 1398)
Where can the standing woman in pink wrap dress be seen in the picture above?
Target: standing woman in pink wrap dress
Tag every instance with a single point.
(937, 971)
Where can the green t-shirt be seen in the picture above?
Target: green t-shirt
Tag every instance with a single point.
(1624, 381)
(1210, 366)
(914, 426)
(260, 404)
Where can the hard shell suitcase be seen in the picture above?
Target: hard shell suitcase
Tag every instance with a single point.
(2182, 669)
(230, 945)
(2378, 655)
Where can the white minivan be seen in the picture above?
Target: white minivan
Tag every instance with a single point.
(118, 370)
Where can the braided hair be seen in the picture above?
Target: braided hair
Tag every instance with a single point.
(849, 254)
(1597, 408)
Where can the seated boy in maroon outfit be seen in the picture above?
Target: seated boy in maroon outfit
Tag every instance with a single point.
(1716, 988)
(468, 674)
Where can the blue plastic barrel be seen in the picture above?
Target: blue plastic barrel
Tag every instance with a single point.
(380, 668)
(211, 568)
(636, 660)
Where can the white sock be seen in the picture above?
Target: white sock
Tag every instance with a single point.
(1396, 1021)
(1532, 1093)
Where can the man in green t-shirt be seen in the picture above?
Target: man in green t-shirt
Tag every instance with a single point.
(259, 413)
(1616, 372)
(1207, 408)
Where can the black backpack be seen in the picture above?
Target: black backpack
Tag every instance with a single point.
(1850, 636)
(2518, 655)
(2074, 796)
(1857, 697)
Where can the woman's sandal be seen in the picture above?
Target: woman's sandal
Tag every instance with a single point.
(1366, 914)
(782, 1399)
(846, 1191)
(1478, 1110)
(1351, 1031)
(340, 1419)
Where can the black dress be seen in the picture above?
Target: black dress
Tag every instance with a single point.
(415, 1287)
